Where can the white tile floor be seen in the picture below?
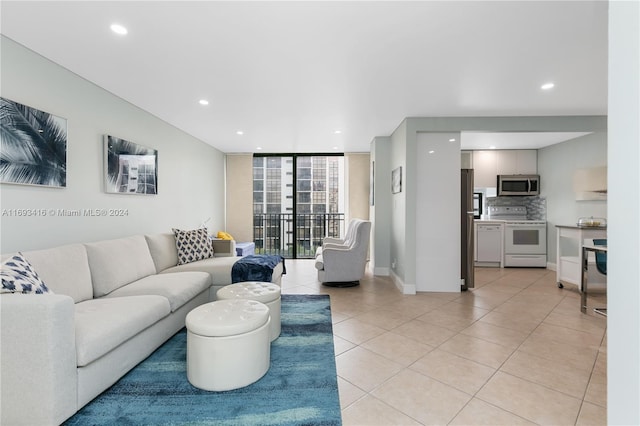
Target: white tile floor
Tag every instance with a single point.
(514, 350)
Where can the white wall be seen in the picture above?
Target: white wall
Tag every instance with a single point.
(190, 181)
(438, 248)
(623, 292)
(556, 166)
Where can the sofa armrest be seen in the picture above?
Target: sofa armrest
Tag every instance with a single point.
(37, 359)
(223, 248)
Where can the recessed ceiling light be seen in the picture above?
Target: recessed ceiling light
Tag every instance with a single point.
(259, 148)
(547, 86)
(492, 147)
(335, 147)
(240, 132)
(452, 140)
(337, 132)
(203, 102)
(119, 29)
(431, 152)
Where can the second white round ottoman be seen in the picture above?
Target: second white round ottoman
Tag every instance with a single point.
(228, 344)
(267, 293)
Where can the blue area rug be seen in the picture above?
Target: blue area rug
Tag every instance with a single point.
(300, 387)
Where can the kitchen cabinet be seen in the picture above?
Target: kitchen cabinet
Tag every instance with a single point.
(466, 159)
(488, 164)
(517, 162)
(484, 169)
(506, 163)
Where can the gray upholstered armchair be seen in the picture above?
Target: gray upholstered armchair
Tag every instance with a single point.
(344, 265)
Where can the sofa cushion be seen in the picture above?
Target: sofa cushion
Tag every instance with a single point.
(103, 324)
(218, 267)
(193, 245)
(65, 269)
(163, 250)
(18, 276)
(115, 263)
(178, 288)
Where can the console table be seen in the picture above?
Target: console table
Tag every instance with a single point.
(569, 260)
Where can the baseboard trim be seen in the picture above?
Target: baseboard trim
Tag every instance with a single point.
(402, 286)
(381, 272)
(551, 266)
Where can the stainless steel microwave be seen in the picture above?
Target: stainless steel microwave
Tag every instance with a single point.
(518, 185)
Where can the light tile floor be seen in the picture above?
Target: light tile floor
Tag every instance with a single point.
(514, 350)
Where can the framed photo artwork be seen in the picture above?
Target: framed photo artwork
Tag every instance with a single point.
(396, 180)
(130, 168)
(34, 146)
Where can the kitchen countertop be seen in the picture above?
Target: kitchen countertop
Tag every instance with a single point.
(580, 227)
(490, 221)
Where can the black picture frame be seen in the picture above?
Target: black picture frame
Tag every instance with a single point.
(130, 168)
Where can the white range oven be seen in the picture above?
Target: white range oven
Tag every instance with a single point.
(525, 241)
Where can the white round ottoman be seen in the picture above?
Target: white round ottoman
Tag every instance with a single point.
(228, 344)
(267, 293)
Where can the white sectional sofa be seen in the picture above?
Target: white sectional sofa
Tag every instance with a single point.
(114, 302)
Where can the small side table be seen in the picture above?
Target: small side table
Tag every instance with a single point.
(245, 249)
(586, 248)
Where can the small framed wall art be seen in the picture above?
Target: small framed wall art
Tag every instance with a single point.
(130, 168)
(396, 180)
(34, 146)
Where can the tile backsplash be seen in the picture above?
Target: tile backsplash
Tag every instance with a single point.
(536, 205)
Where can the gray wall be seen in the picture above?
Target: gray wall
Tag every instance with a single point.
(556, 166)
(380, 211)
(191, 173)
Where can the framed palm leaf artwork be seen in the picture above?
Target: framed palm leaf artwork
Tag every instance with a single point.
(130, 168)
(33, 146)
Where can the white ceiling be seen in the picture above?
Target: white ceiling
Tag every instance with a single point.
(289, 74)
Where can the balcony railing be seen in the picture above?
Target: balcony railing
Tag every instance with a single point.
(294, 236)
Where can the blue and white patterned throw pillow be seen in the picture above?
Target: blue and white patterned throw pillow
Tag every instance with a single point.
(193, 245)
(18, 276)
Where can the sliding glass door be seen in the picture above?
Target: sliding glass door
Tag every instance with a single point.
(297, 201)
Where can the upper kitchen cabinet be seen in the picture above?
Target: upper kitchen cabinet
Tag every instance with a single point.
(466, 159)
(488, 165)
(484, 169)
(517, 162)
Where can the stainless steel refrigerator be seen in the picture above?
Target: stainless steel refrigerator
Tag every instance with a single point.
(467, 242)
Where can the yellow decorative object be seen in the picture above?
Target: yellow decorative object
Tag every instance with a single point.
(224, 236)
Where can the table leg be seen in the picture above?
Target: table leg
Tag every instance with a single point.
(583, 280)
